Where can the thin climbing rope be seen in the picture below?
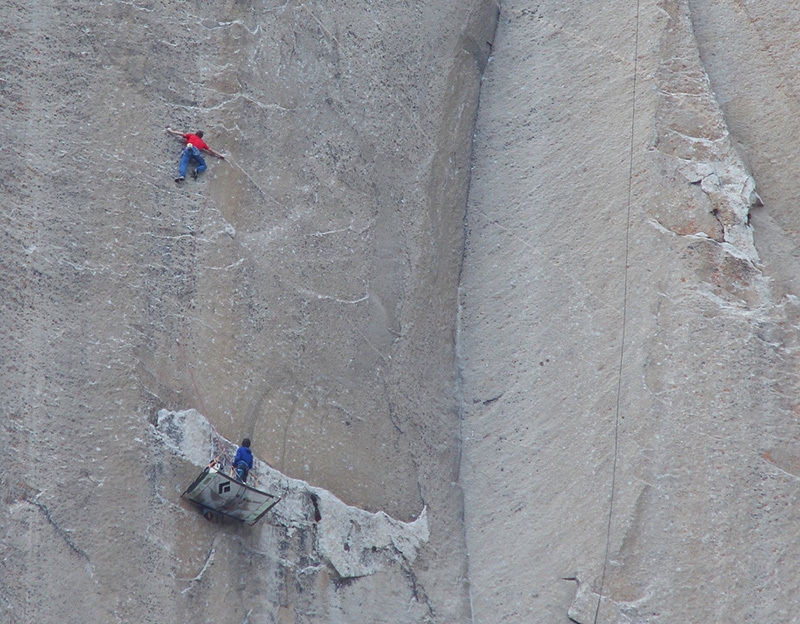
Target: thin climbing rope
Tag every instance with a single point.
(624, 320)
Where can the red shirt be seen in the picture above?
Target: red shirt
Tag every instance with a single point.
(196, 141)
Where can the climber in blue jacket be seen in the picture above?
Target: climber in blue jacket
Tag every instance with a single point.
(243, 461)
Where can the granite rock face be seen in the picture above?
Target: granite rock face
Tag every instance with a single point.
(629, 306)
(302, 292)
(580, 408)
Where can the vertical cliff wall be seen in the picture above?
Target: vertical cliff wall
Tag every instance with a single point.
(627, 322)
(301, 292)
(629, 316)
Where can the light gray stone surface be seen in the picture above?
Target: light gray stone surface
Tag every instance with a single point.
(629, 316)
(624, 426)
(302, 292)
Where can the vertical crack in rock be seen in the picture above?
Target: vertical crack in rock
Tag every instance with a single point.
(692, 134)
(353, 542)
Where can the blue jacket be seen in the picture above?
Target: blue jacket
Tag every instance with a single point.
(244, 454)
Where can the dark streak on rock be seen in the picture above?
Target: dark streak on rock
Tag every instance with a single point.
(59, 531)
(493, 399)
(418, 592)
(315, 502)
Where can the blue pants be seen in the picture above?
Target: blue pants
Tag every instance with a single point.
(241, 470)
(191, 153)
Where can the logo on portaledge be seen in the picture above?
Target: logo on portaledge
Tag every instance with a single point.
(224, 487)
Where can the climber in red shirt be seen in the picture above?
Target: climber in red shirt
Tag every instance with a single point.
(194, 143)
